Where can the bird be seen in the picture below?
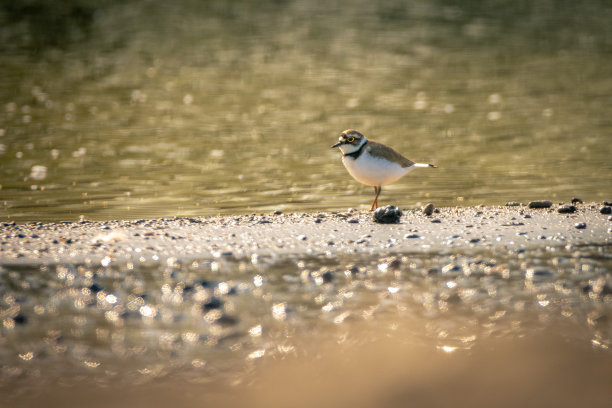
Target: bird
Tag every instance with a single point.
(372, 163)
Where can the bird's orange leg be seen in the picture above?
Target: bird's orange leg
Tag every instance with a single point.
(375, 203)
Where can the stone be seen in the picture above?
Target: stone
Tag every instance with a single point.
(580, 225)
(428, 209)
(540, 204)
(576, 200)
(567, 209)
(605, 210)
(387, 215)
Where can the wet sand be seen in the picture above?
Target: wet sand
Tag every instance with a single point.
(455, 228)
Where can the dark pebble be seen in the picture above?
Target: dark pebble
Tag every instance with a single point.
(327, 276)
(607, 203)
(453, 298)
(317, 221)
(20, 236)
(95, 288)
(412, 236)
(567, 209)
(428, 209)
(605, 210)
(353, 221)
(474, 240)
(513, 204)
(387, 215)
(213, 303)
(576, 200)
(227, 321)
(527, 216)
(540, 204)
(580, 225)
(208, 283)
(277, 212)
(20, 319)
(436, 221)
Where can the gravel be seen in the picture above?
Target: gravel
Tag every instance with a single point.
(242, 236)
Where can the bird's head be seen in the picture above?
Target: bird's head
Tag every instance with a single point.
(350, 140)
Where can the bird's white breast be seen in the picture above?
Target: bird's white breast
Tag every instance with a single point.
(374, 171)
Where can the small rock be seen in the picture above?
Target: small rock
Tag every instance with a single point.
(387, 215)
(277, 212)
(576, 200)
(474, 240)
(580, 225)
(605, 210)
(533, 274)
(226, 320)
(428, 209)
(540, 204)
(353, 221)
(95, 288)
(411, 236)
(513, 204)
(327, 276)
(436, 221)
(20, 319)
(302, 237)
(607, 203)
(213, 303)
(567, 209)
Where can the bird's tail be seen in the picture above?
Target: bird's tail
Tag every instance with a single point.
(425, 165)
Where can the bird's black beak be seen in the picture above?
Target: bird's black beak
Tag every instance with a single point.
(337, 144)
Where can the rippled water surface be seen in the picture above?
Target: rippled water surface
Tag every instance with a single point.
(147, 109)
(201, 321)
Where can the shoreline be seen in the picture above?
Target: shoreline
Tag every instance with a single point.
(320, 233)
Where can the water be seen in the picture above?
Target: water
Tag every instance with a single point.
(217, 321)
(149, 109)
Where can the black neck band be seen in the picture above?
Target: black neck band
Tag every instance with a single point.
(357, 152)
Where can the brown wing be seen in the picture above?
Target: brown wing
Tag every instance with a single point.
(379, 150)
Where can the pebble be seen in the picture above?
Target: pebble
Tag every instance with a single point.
(576, 200)
(387, 215)
(428, 209)
(513, 204)
(411, 236)
(327, 276)
(353, 221)
(302, 237)
(213, 303)
(20, 319)
(567, 209)
(580, 225)
(540, 204)
(605, 210)
(606, 203)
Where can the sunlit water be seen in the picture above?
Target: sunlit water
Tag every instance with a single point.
(125, 324)
(148, 109)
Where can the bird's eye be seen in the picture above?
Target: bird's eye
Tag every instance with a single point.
(350, 139)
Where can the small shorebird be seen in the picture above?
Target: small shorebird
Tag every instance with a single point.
(373, 163)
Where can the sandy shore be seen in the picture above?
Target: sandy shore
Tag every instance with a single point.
(456, 228)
